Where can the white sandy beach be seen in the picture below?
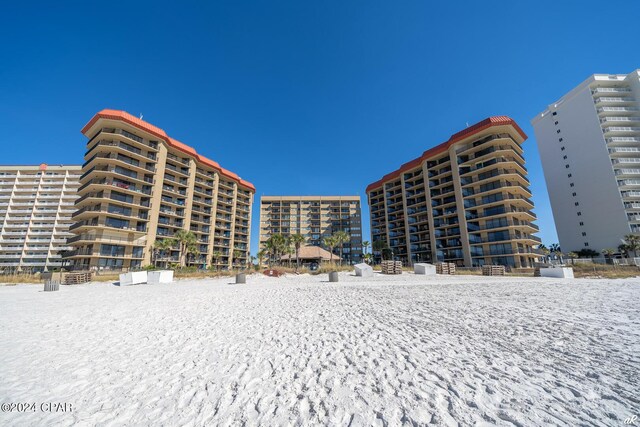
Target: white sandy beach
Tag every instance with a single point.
(402, 350)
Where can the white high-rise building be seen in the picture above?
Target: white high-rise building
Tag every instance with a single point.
(589, 143)
(36, 203)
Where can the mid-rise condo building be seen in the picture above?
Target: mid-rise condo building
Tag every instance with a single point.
(465, 201)
(139, 185)
(36, 203)
(589, 143)
(314, 217)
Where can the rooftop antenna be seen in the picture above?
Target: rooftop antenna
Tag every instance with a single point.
(467, 124)
(141, 116)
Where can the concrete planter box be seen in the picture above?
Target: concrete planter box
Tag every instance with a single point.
(333, 276)
(424, 269)
(160, 276)
(133, 278)
(557, 272)
(363, 270)
(241, 278)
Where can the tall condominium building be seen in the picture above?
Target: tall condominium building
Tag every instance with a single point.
(465, 201)
(589, 142)
(36, 203)
(315, 217)
(139, 185)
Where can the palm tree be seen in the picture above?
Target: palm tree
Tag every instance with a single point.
(378, 246)
(365, 246)
(554, 248)
(186, 244)
(275, 245)
(341, 238)
(368, 258)
(215, 256)
(159, 247)
(632, 243)
(573, 256)
(237, 253)
(545, 252)
(297, 240)
(330, 242)
(289, 251)
(260, 255)
(608, 254)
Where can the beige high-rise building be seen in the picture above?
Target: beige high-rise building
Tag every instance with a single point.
(315, 217)
(465, 201)
(36, 203)
(139, 185)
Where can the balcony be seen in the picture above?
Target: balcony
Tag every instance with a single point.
(609, 90)
(613, 100)
(605, 110)
(620, 129)
(626, 119)
(622, 140)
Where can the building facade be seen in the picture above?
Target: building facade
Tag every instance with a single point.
(315, 217)
(589, 143)
(465, 201)
(139, 185)
(36, 203)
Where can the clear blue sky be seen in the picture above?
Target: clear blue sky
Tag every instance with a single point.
(301, 97)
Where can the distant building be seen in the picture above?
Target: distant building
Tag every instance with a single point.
(139, 185)
(315, 217)
(465, 201)
(36, 203)
(589, 143)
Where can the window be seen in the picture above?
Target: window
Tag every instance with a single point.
(110, 262)
(121, 197)
(556, 122)
(560, 140)
(581, 223)
(566, 166)
(586, 243)
(137, 251)
(564, 157)
(568, 175)
(558, 131)
(574, 194)
(497, 236)
(116, 223)
(584, 234)
(577, 203)
(561, 148)
(579, 213)
(118, 210)
(571, 185)
(555, 113)
(111, 250)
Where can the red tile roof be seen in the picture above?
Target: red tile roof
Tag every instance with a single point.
(154, 130)
(456, 137)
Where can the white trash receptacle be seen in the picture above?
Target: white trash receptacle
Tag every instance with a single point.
(557, 272)
(160, 276)
(133, 278)
(424, 269)
(363, 270)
